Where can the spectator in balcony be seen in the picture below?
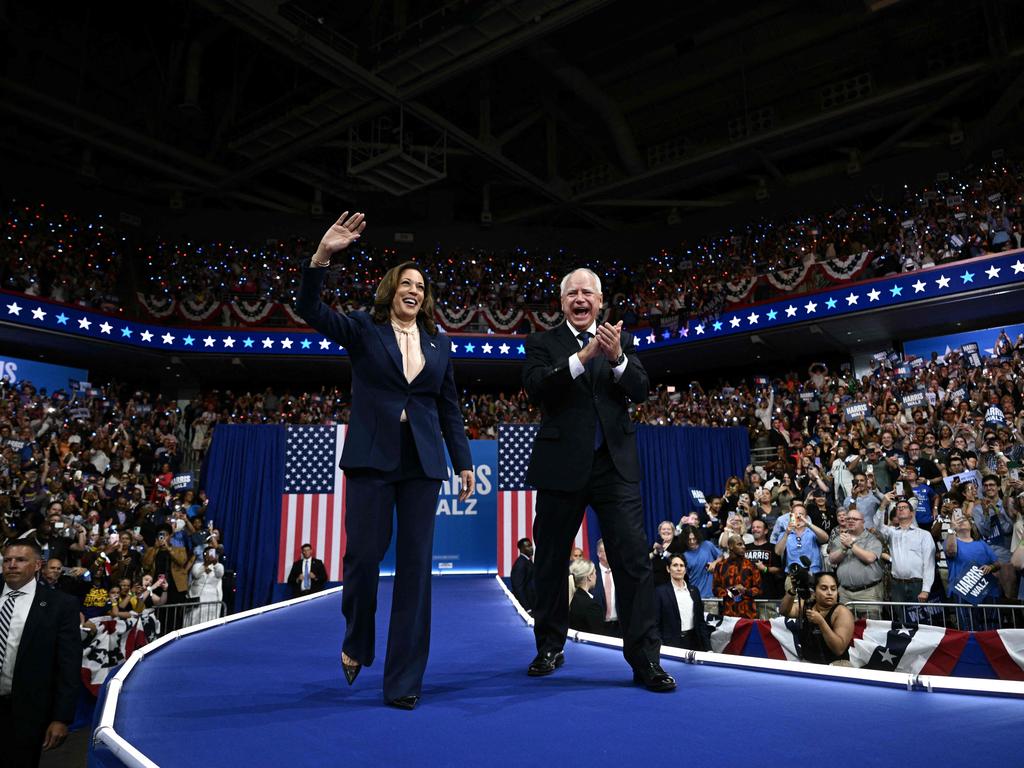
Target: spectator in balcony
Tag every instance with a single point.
(856, 559)
(737, 582)
(680, 610)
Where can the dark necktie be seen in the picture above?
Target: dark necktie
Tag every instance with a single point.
(585, 337)
(6, 612)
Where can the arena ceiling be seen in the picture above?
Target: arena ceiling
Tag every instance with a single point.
(575, 113)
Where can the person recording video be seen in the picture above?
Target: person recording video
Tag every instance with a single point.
(826, 627)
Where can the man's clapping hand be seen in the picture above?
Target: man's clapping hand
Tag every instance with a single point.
(609, 339)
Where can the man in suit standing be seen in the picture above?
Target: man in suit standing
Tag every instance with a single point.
(522, 576)
(584, 377)
(40, 660)
(307, 574)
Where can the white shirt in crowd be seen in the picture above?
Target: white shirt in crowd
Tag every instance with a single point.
(22, 605)
(609, 592)
(685, 604)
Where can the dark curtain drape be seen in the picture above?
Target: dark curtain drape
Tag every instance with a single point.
(675, 459)
(244, 480)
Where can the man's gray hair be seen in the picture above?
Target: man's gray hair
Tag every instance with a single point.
(580, 571)
(590, 272)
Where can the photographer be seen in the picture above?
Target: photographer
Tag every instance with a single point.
(826, 627)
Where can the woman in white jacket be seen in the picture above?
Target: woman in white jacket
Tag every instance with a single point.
(206, 587)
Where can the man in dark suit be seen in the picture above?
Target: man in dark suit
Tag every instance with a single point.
(307, 574)
(584, 377)
(522, 575)
(40, 660)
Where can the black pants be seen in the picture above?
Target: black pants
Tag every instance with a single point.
(620, 514)
(21, 743)
(371, 499)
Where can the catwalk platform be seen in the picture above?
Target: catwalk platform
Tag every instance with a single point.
(267, 689)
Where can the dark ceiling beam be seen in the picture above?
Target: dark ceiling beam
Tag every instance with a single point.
(260, 19)
(174, 163)
(674, 175)
(580, 84)
(490, 50)
(927, 112)
(1007, 101)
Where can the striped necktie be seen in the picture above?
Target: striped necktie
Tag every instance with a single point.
(6, 612)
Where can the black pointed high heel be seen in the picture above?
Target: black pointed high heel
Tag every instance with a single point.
(351, 670)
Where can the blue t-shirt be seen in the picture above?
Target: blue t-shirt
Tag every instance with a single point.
(805, 544)
(969, 554)
(925, 504)
(697, 561)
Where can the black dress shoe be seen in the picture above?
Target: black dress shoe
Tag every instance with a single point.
(653, 677)
(404, 702)
(545, 663)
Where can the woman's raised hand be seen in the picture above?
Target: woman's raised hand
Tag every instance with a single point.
(340, 236)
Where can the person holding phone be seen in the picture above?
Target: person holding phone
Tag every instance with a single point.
(405, 412)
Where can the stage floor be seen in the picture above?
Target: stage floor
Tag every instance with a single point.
(268, 690)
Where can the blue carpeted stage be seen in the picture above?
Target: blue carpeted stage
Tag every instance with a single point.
(268, 690)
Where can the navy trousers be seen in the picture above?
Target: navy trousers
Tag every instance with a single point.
(372, 499)
(620, 514)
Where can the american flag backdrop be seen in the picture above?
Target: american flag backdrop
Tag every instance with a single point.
(313, 503)
(516, 500)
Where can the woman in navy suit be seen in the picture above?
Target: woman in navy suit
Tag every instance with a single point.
(680, 610)
(405, 410)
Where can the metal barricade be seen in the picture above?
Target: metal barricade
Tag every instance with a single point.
(963, 616)
(171, 617)
(766, 609)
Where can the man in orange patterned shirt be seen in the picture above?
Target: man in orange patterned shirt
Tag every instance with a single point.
(737, 582)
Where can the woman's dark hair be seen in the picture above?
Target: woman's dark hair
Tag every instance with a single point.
(389, 287)
(685, 533)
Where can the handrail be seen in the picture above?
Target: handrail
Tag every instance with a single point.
(106, 734)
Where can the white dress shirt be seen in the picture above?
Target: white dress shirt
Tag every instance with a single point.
(685, 604)
(22, 605)
(913, 553)
(608, 583)
(576, 368)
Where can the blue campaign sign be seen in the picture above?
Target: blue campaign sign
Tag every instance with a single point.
(42, 375)
(465, 532)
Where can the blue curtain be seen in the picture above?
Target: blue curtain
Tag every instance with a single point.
(244, 480)
(675, 459)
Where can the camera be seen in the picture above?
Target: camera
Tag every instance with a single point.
(800, 576)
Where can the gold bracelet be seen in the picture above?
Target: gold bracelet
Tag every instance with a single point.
(316, 263)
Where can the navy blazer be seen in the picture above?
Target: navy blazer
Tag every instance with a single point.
(47, 673)
(669, 622)
(380, 392)
(563, 451)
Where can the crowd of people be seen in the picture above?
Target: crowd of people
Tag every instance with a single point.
(907, 504)
(77, 259)
(90, 479)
